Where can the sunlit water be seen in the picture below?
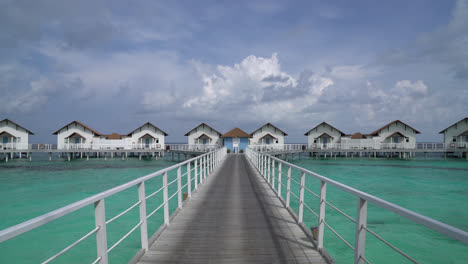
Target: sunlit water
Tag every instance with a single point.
(436, 188)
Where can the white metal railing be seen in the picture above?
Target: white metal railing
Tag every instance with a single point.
(266, 165)
(194, 147)
(203, 165)
(13, 146)
(358, 146)
(278, 147)
(111, 146)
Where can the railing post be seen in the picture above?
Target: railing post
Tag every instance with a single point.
(361, 221)
(279, 178)
(196, 173)
(101, 234)
(269, 167)
(166, 200)
(204, 167)
(301, 199)
(273, 173)
(189, 181)
(322, 204)
(179, 186)
(288, 188)
(143, 226)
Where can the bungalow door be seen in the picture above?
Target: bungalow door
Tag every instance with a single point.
(147, 142)
(267, 141)
(5, 140)
(325, 141)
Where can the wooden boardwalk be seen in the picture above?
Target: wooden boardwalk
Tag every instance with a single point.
(234, 218)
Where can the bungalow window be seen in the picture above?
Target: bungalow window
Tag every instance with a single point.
(466, 138)
(315, 141)
(407, 140)
(454, 139)
(277, 140)
(157, 140)
(395, 140)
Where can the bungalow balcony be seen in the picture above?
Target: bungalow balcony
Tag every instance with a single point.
(13, 146)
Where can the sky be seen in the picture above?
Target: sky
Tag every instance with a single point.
(115, 65)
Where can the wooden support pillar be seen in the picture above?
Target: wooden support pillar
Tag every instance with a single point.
(30, 157)
(50, 156)
(68, 156)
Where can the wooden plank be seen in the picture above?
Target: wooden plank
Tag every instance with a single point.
(234, 218)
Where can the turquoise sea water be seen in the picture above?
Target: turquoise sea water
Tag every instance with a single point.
(435, 188)
(438, 189)
(30, 189)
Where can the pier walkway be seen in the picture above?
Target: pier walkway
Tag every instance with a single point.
(237, 218)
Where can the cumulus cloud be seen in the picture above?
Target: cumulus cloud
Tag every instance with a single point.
(256, 87)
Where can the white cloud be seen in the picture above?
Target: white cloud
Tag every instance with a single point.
(256, 88)
(406, 87)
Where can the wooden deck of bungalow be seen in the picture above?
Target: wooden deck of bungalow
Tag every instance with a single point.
(235, 218)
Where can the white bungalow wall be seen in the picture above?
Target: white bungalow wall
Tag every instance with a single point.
(65, 132)
(200, 130)
(267, 129)
(151, 130)
(104, 143)
(21, 136)
(398, 127)
(451, 138)
(323, 128)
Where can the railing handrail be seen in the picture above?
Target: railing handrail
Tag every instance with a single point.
(441, 227)
(21, 228)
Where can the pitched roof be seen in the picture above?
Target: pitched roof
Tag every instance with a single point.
(203, 135)
(202, 124)
(87, 127)
(8, 120)
(268, 134)
(325, 134)
(464, 119)
(357, 136)
(236, 132)
(147, 134)
(147, 123)
(465, 133)
(4, 132)
(324, 123)
(75, 134)
(396, 134)
(268, 124)
(391, 123)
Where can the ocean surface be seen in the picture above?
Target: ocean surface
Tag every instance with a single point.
(435, 188)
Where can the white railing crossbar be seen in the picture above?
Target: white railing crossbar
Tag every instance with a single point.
(72, 245)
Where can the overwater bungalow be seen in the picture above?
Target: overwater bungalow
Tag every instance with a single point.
(77, 135)
(395, 134)
(203, 134)
(236, 140)
(268, 134)
(148, 136)
(456, 135)
(13, 136)
(323, 134)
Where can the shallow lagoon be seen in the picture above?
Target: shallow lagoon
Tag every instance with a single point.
(436, 188)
